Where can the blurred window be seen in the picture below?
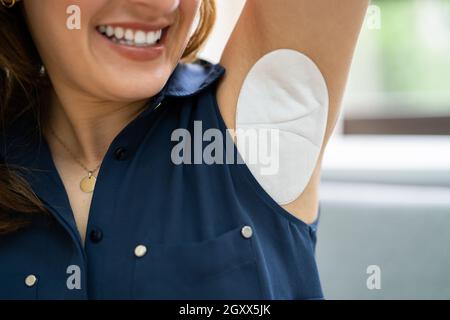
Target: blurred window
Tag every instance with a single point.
(400, 79)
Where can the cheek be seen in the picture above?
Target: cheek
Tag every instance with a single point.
(191, 5)
(48, 24)
(195, 7)
(188, 11)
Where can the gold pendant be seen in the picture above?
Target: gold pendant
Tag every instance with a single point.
(87, 184)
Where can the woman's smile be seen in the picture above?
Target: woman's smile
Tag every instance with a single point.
(124, 50)
(136, 41)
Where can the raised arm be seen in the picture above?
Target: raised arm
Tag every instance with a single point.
(324, 30)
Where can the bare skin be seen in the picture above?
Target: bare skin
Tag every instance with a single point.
(88, 113)
(325, 30)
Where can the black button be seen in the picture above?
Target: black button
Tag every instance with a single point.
(96, 235)
(120, 153)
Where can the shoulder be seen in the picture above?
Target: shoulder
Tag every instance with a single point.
(188, 79)
(304, 26)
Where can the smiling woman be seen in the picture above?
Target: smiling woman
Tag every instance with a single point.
(23, 87)
(87, 119)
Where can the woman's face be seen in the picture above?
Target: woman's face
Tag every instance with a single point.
(124, 50)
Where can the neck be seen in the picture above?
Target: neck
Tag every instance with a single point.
(88, 126)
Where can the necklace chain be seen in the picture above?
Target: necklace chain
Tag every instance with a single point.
(71, 153)
(74, 156)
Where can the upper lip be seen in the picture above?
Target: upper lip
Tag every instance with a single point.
(138, 25)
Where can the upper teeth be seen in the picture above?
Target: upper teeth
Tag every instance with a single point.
(130, 36)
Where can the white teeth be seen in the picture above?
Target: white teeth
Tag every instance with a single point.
(140, 37)
(150, 37)
(153, 36)
(109, 31)
(119, 33)
(129, 36)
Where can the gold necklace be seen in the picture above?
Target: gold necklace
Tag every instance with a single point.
(87, 184)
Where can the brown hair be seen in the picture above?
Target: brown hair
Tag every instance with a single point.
(21, 89)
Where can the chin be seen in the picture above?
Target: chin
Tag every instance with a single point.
(130, 85)
(130, 91)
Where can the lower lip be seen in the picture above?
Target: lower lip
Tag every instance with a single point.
(138, 53)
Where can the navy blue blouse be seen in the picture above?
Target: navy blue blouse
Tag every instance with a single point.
(156, 229)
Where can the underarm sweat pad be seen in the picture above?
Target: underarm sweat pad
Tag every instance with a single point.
(284, 103)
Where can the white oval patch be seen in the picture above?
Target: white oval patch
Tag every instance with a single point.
(284, 95)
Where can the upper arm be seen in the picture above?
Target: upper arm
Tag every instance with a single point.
(324, 30)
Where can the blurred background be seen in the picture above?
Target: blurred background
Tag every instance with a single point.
(385, 195)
